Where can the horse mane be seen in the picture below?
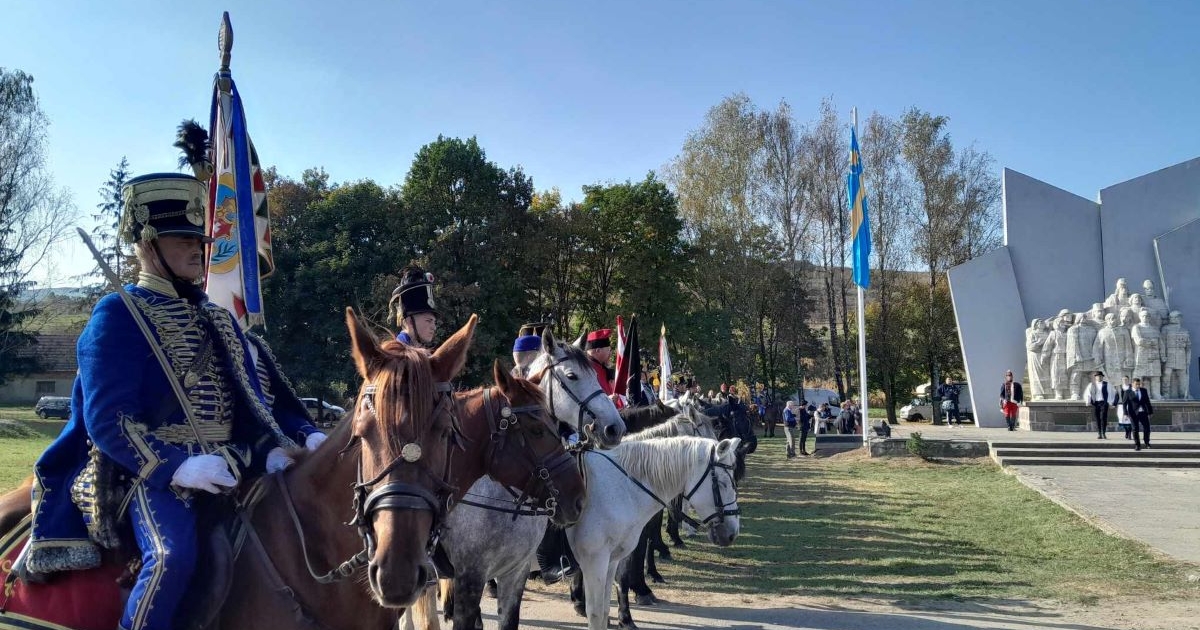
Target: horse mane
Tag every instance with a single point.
(403, 376)
(672, 427)
(662, 462)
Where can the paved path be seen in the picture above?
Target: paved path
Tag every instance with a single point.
(1158, 506)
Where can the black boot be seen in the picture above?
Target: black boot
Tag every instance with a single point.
(554, 556)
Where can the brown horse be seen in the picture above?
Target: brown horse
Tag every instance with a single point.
(394, 473)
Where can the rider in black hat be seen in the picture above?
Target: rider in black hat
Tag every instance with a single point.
(415, 311)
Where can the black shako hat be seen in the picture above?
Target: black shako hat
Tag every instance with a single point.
(415, 292)
(163, 204)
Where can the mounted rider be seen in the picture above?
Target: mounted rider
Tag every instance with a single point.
(527, 347)
(598, 346)
(134, 454)
(416, 313)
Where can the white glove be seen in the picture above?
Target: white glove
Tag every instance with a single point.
(278, 460)
(314, 440)
(204, 472)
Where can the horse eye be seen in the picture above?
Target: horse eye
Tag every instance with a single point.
(571, 375)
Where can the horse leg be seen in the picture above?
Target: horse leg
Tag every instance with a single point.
(635, 569)
(578, 594)
(446, 595)
(652, 569)
(468, 590)
(423, 613)
(624, 616)
(510, 590)
(673, 520)
(598, 573)
(656, 538)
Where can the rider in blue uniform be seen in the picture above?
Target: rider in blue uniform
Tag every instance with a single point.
(416, 313)
(130, 452)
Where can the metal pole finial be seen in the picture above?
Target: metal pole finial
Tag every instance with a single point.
(225, 41)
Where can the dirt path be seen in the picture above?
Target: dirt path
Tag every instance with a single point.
(549, 608)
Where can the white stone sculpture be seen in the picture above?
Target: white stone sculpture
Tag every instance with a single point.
(1158, 308)
(1113, 350)
(1054, 353)
(1177, 346)
(1118, 299)
(1039, 364)
(1136, 303)
(1147, 344)
(1081, 339)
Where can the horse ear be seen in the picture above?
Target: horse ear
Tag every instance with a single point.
(725, 447)
(547, 341)
(451, 357)
(503, 380)
(363, 346)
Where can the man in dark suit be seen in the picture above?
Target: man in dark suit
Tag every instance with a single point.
(1011, 398)
(1138, 406)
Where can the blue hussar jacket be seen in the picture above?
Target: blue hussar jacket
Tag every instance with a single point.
(122, 404)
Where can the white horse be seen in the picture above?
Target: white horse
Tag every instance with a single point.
(628, 484)
(576, 400)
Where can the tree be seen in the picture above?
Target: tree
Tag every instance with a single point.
(955, 218)
(465, 217)
(33, 214)
(107, 231)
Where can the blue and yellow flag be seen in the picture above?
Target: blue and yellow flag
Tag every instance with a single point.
(859, 227)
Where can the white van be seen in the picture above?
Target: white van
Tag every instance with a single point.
(922, 409)
(817, 395)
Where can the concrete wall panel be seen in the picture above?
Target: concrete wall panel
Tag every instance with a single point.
(991, 328)
(1179, 262)
(1052, 236)
(1139, 210)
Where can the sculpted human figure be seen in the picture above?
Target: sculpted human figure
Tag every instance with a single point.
(1119, 297)
(1054, 352)
(1081, 338)
(1177, 346)
(1158, 308)
(1039, 364)
(1113, 349)
(1147, 344)
(1136, 304)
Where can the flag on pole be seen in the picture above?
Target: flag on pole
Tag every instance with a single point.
(633, 366)
(238, 220)
(622, 363)
(664, 366)
(859, 227)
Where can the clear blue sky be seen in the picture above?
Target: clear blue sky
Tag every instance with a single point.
(1082, 94)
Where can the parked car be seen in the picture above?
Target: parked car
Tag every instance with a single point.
(818, 395)
(329, 415)
(53, 407)
(922, 409)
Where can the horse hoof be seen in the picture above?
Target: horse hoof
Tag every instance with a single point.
(678, 543)
(657, 579)
(665, 554)
(580, 609)
(624, 625)
(646, 599)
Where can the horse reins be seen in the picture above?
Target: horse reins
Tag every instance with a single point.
(583, 403)
(393, 495)
(541, 471)
(711, 472)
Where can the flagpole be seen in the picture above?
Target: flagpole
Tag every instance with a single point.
(862, 335)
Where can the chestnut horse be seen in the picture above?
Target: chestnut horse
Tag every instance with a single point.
(392, 475)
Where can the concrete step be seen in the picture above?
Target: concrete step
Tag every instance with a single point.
(1115, 442)
(1148, 459)
(1165, 452)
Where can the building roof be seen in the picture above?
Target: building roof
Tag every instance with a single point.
(54, 352)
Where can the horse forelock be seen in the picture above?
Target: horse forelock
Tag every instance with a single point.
(404, 391)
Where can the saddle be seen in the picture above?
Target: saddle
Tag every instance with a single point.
(93, 599)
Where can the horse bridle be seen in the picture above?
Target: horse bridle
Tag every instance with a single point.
(711, 472)
(395, 495)
(542, 469)
(583, 403)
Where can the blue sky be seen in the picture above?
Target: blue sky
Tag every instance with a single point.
(1082, 94)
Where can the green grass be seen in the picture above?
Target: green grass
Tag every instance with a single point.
(901, 528)
(17, 456)
(17, 412)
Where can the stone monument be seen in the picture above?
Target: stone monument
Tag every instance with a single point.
(1147, 345)
(1113, 350)
(1177, 345)
(1054, 352)
(1038, 363)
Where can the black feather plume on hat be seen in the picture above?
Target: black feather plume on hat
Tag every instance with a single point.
(192, 140)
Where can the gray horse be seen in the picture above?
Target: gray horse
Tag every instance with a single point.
(472, 533)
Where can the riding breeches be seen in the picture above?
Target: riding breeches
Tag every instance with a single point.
(164, 525)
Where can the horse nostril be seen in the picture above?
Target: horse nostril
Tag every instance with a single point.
(610, 431)
(579, 505)
(422, 574)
